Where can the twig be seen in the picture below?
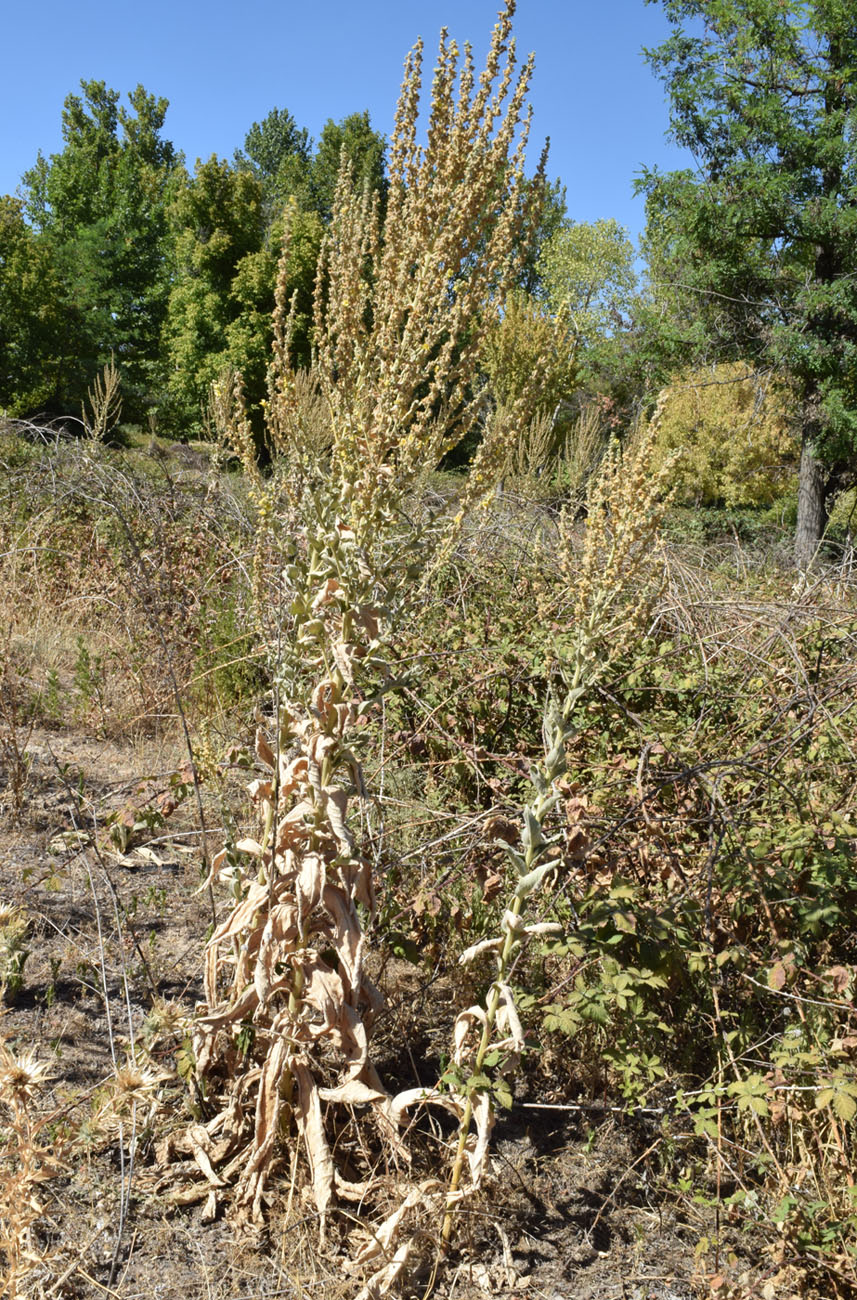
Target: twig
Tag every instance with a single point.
(797, 997)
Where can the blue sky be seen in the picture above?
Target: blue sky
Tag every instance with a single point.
(223, 66)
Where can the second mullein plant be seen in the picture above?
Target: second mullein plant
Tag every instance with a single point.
(611, 585)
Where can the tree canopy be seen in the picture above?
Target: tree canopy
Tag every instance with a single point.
(116, 250)
(99, 210)
(587, 270)
(278, 153)
(33, 322)
(761, 240)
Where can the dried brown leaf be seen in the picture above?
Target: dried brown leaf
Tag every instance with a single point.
(264, 751)
(477, 1144)
(326, 593)
(310, 883)
(309, 1121)
(353, 1092)
(463, 1022)
(243, 915)
(337, 808)
(248, 1197)
(200, 1145)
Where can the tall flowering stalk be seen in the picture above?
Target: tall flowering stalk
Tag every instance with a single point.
(282, 1045)
(401, 315)
(612, 586)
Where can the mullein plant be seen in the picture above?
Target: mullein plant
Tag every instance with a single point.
(281, 1048)
(612, 582)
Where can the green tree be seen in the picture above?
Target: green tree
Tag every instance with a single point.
(228, 223)
(222, 297)
(216, 218)
(366, 149)
(730, 428)
(278, 153)
(587, 271)
(33, 317)
(762, 237)
(549, 216)
(249, 335)
(586, 274)
(100, 205)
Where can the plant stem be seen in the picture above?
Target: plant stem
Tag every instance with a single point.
(490, 1016)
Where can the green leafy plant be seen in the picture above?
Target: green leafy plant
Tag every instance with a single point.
(14, 950)
(89, 677)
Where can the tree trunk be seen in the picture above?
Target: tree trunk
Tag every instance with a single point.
(811, 505)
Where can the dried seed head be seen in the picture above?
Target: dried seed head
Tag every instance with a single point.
(21, 1074)
(165, 1018)
(399, 322)
(135, 1082)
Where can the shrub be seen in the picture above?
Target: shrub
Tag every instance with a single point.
(732, 429)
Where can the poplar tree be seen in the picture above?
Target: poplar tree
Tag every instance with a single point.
(277, 152)
(365, 148)
(216, 221)
(33, 321)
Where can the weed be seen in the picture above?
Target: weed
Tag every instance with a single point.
(50, 700)
(628, 804)
(397, 327)
(89, 678)
(16, 727)
(14, 950)
(105, 403)
(31, 1154)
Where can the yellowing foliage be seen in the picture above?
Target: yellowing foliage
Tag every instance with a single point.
(733, 432)
(526, 336)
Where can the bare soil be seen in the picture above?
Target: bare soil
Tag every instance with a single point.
(572, 1211)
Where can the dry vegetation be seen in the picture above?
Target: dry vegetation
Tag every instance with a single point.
(403, 893)
(678, 1022)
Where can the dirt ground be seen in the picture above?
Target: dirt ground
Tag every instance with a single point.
(570, 1212)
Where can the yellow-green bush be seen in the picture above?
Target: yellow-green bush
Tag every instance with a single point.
(733, 432)
(525, 336)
